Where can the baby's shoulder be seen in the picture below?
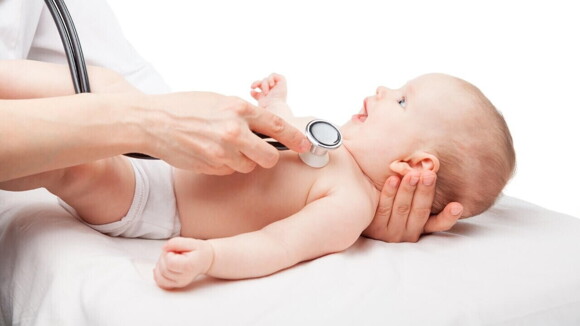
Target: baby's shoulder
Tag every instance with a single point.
(344, 180)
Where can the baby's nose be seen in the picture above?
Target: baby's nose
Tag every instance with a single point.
(381, 91)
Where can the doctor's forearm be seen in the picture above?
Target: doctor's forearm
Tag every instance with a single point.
(45, 134)
(26, 79)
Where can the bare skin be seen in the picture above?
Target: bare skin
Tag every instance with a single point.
(404, 211)
(200, 131)
(271, 221)
(403, 203)
(260, 229)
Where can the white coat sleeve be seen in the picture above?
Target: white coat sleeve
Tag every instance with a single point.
(18, 23)
(27, 31)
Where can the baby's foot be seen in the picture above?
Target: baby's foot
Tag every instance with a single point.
(181, 261)
(269, 90)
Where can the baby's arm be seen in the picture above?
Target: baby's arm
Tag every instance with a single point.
(327, 225)
(25, 79)
(271, 93)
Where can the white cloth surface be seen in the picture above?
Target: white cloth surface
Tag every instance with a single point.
(27, 31)
(516, 264)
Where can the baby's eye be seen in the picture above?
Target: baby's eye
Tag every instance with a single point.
(403, 102)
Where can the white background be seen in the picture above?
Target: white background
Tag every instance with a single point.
(524, 55)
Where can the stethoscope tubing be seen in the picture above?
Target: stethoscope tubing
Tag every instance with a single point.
(278, 145)
(71, 43)
(74, 52)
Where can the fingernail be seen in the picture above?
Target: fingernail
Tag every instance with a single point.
(428, 180)
(414, 180)
(456, 210)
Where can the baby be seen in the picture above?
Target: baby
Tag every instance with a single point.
(255, 224)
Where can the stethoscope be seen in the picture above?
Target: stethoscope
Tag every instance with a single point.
(323, 135)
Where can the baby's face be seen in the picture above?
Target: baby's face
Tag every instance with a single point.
(394, 123)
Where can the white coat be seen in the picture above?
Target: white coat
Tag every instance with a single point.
(27, 31)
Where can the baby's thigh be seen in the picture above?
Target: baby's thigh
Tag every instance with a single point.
(101, 191)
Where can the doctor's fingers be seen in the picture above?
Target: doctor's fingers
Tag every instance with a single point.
(268, 123)
(397, 228)
(378, 226)
(240, 153)
(193, 151)
(421, 206)
(194, 161)
(218, 152)
(233, 160)
(446, 219)
(229, 140)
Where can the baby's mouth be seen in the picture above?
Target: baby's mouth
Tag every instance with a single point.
(363, 114)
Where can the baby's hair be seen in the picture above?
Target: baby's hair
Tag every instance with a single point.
(474, 169)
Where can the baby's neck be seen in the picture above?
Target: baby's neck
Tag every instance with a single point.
(376, 173)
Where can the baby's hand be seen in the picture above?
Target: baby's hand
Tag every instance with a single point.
(269, 90)
(181, 261)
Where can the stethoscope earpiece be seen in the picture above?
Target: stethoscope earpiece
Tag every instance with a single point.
(324, 136)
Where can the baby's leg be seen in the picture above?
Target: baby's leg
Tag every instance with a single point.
(101, 192)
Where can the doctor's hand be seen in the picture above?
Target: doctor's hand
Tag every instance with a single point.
(212, 134)
(404, 211)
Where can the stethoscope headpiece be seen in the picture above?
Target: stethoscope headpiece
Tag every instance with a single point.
(324, 136)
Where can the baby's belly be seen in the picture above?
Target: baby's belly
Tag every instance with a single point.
(230, 217)
(215, 207)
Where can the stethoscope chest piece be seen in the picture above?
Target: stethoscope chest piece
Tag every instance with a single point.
(324, 136)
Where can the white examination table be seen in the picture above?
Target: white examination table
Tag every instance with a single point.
(515, 264)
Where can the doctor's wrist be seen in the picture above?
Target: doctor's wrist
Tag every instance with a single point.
(135, 124)
(152, 128)
(122, 119)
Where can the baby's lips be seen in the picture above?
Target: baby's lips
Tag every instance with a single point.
(359, 117)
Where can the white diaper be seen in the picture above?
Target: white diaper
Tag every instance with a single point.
(153, 213)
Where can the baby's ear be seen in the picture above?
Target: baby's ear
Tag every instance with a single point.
(418, 161)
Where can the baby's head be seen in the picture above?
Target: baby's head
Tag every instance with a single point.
(440, 123)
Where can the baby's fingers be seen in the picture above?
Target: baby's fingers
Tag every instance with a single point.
(257, 95)
(275, 79)
(258, 90)
(162, 280)
(272, 80)
(172, 271)
(176, 263)
(256, 84)
(179, 244)
(165, 270)
(265, 86)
